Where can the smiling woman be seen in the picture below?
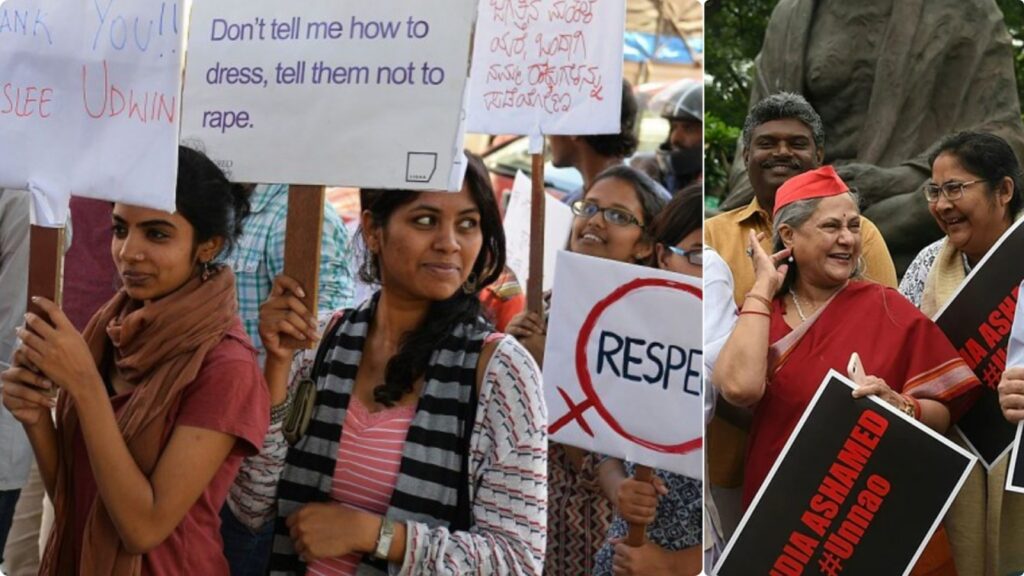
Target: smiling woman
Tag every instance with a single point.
(159, 399)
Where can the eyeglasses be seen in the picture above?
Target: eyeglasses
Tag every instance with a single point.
(951, 190)
(695, 256)
(616, 216)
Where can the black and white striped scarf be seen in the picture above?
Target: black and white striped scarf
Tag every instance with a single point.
(433, 480)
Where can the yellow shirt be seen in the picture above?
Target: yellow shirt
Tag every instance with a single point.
(727, 234)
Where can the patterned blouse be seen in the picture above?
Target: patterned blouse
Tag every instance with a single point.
(678, 523)
(912, 285)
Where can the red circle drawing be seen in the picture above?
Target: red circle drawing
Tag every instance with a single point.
(587, 384)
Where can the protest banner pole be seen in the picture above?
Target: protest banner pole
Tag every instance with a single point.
(638, 532)
(302, 246)
(535, 282)
(46, 265)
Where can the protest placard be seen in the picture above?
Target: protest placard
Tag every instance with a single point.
(557, 224)
(858, 489)
(89, 100)
(357, 93)
(620, 387)
(977, 320)
(547, 67)
(1015, 358)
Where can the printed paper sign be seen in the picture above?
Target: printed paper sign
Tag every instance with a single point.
(858, 489)
(558, 220)
(357, 93)
(547, 67)
(977, 321)
(617, 386)
(89, 100)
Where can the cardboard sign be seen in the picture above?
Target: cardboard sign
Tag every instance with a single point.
(977, 321)
(557, 225)
(858, 489)
(357, 93)
(547, 67)
(89, 100)
(617, 386)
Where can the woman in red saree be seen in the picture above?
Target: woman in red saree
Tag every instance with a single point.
(811, 314)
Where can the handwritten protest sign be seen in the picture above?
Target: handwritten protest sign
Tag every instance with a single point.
(617, 386)
(547, 67)
(361, 93)
(858, 489)
(557, 224)
(89, 101)
(977, 320)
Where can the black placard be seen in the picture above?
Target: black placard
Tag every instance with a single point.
(858, 489)
(977, 321)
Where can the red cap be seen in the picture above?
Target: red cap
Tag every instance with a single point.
(817, 183)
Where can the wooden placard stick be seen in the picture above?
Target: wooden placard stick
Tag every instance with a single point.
(535, 282)
(302, 246)
(46, 266)
(638, 532)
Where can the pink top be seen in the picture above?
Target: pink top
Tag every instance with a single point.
(369, 455)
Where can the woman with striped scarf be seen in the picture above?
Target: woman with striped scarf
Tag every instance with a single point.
(426, 451)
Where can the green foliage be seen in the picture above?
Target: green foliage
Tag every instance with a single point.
(734, 32)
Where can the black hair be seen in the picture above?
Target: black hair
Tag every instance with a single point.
(652, 196)
(988, 156)
(409, 364)
(213, 205)
(623, 144)
(681, 216)
(784, 106)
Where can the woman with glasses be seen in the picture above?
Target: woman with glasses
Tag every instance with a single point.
(974, 195)
(808, 312)
(670, 505)
(612, 221)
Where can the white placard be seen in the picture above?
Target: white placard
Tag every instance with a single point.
(557, 225)
(357, 93)
(1015, 357)
(89, 101)
(547, 67)
(618, 386)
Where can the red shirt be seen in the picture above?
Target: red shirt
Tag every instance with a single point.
(229, 395)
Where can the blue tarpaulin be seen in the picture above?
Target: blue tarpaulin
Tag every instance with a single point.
(640, 47)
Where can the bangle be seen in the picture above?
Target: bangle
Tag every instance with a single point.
(279, 412)
(760, 299)
(384, 538)
(756, 312)
(913, 407)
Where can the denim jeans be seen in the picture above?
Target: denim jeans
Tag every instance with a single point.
(247, 552)
(8, 500)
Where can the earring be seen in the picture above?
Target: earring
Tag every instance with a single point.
(207, 271)
(369, 271)
(469, 286)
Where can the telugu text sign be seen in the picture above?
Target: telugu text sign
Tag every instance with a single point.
(858, 489)
(547, 67)
(89, 100)
(620, 387)
(358, 93)
(977, 320)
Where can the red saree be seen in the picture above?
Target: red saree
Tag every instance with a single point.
(895, 342)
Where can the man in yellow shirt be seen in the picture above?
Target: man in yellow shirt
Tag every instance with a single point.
(782, 137)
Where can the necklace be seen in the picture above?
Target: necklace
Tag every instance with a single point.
(799, 310)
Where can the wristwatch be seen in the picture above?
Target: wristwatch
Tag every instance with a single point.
(384, 537)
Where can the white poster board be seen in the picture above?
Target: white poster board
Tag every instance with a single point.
(547, 67)
(1015, 357)
(619, 386)
(357, 93)
(557, 225)
(89, 101)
